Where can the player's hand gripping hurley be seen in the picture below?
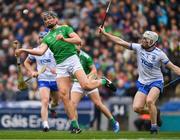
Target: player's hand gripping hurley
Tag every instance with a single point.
(43, 69)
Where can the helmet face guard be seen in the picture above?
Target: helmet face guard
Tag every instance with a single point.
(49, 19)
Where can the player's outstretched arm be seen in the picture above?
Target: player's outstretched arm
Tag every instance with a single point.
(40, 51)
(116, 39)
(173, 67)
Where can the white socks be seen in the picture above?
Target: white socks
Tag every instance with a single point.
(45, 124)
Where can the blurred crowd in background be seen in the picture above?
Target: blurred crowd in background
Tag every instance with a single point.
(127, 19)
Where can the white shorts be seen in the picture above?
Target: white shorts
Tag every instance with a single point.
(77, 88)
(68, 67)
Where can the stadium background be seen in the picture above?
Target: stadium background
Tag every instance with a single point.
(127, 19)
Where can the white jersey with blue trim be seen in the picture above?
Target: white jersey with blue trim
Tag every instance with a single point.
(47, 59)
(149, 63)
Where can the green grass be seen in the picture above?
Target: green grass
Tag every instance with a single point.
(10, 134)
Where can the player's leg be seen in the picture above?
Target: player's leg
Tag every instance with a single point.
(64, 85)
(151, 101)
(54, 98)
(89, 84)
(76, 94)
(53, 103)
(44, 94)
(95, 97)
(76, 97)
(139, 103)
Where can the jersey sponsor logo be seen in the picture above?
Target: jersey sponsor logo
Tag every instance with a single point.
(148, 56)
(149, 65)
(44, 61)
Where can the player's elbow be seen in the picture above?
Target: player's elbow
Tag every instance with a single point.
(177, 70)
(78, 41)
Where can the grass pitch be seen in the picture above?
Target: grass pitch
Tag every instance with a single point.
(11, 134)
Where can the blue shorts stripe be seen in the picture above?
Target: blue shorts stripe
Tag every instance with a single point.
(146, 88)
(52, 85)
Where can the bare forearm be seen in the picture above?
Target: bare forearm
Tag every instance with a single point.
(28, 67)
(93, 72)
(33, 52)
(117, 40)
(112, 37)
(176, 70)
(76, 41)
(173, 67)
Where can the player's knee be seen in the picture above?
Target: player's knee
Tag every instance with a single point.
(74, 104)
(137, 109)
(149, 102)
(98, 104)
(63, 92)
(45, 102)
(63, 95)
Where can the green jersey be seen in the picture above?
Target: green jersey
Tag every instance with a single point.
(61, 49)
(86, 61)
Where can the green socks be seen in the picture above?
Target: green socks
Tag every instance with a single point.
(103, 81)
(74, 124)
(112, 120)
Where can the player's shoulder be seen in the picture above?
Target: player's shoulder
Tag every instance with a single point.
(64, 26)
(158, 50)
(49, 51)
(46, 36)
(135, 46)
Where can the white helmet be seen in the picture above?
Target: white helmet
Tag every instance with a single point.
(151, 35)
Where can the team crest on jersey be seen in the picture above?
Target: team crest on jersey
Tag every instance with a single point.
(54, 34)
(153, 57)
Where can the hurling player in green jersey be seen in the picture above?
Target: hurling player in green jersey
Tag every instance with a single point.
(62, 41)
(77, 92)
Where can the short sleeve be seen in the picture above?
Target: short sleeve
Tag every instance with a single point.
(44, 40)
(135, 46)
(31, 58)
(89, 61)
(69, 30)
(164, 58)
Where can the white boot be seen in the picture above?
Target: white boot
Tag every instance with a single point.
(45, 126)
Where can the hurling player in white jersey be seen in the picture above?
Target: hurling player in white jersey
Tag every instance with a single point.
(46, 81)
(150, 81)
